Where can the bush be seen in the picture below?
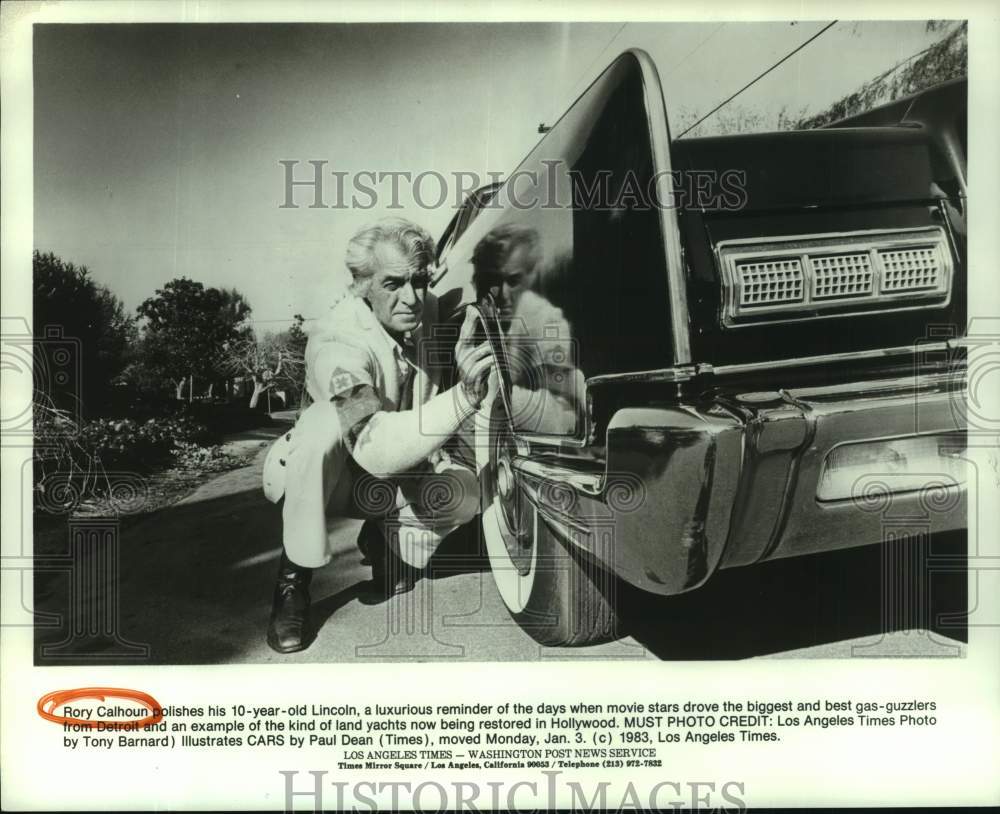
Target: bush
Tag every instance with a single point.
(226, 417)
(115, 443)
(206, 459)
(73, 463)
(127, 400)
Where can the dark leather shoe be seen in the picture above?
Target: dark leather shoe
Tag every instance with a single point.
(390, 574)
(289, 630)
(369, 538)
(393, 576)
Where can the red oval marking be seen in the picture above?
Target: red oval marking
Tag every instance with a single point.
(50, 701)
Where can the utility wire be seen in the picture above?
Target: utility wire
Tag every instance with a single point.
(901, 63)
(542, 127)
(694, 50)
(753, 81)
(290, 319)
(586, 71)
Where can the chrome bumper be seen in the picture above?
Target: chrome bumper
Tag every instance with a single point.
(733, 480)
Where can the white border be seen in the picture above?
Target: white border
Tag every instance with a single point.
(954, 764)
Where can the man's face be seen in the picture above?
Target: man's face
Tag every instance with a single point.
(517, 275)
(397, 289)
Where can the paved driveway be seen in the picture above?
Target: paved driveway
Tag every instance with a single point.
(195, 581)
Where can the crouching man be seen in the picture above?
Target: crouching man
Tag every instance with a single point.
(377, 432)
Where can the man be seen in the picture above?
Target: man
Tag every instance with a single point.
(377, 419)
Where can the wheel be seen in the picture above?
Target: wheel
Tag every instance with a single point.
(557, 594)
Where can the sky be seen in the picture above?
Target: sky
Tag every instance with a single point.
(157, 147)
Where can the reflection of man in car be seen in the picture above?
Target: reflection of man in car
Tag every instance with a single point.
(377, 426)
(508, 271)
(505, 264)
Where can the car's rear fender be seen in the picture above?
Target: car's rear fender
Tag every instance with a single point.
(732, 479)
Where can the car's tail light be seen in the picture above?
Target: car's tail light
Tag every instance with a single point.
(916, 269)
(770, 282)
(805, 276)
(836, 276)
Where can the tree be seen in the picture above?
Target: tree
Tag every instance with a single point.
(735, 119)
(297, 336)
(143, 375)
(233, 307)
(946, 59)
(73, 313)
(234, 310)
(273, 361)
(295, 374)
(188, 328)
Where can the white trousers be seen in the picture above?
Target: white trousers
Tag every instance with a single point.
(417, 510)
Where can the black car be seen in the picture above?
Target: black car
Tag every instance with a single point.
(712, 352)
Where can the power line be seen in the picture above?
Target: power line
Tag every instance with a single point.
(590, 65)
(758, 78)
(289, 319)
(901, 63)
(695, 50)
(544, 128)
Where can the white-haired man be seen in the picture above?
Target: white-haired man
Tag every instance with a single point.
(377, 420)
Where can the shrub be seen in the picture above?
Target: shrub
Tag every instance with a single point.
(113, 443)
(227, 417)
(206, 459)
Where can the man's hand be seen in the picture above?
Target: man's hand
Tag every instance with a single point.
(474, 361)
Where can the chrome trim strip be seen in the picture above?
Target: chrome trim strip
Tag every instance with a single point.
(879, 388)
(939, 303)
(804, 247)
(858, 233)
(666, 374)
(683, 374)
(548, 440)
(659, 132)
(553, 515)
(832, 358)
(959, 435)
(588, 483)
(562, 520)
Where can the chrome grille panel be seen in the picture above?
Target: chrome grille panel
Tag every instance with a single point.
(805, 276)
